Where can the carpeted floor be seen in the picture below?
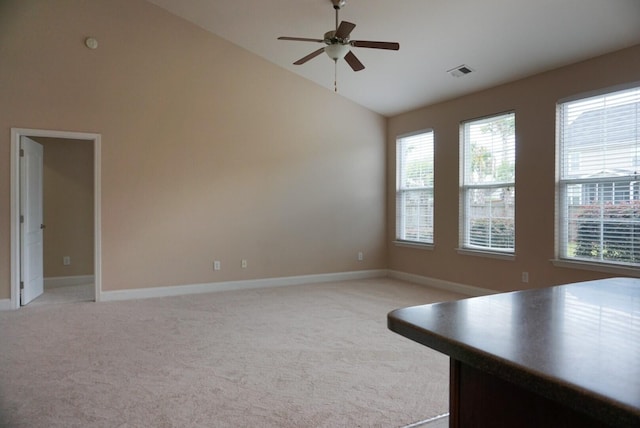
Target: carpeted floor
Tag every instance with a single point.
(65, 294)
(301, 356)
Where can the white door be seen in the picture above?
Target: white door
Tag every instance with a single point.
(31, 227)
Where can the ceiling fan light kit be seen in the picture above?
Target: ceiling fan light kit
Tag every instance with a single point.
(338, 44)
(336, 51)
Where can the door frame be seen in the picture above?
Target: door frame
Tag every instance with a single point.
(16, 133)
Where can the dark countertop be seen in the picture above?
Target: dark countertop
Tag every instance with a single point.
(578, 344)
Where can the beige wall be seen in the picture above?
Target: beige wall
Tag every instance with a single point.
(533, 101)
(208, 152)
(67, 206)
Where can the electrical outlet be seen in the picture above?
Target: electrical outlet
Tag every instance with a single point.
(243, 263)
(66, 260)
(360, 256)
(216, 265)
(525, 276)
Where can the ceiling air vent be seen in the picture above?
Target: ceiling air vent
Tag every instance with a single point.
(460, 71)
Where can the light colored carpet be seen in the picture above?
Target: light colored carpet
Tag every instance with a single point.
(301, 356)
(66, 294)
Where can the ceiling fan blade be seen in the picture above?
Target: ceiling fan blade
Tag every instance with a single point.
(375, 45)
(308, 57)
(353, 61)
(300, 39)
(345, 29)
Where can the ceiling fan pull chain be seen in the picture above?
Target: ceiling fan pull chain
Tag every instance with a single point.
(335, 76)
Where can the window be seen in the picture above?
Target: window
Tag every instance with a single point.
(414, 188)
(488, 184)
(599, 185)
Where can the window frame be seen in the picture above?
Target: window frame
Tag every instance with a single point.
(400, 209)
(562, 244)
(465, 188)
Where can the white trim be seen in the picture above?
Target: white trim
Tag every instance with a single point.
(414, 133)
(65, 281)
(440, 284)
(97, 216)
(414, 244)
(598, 92)
(181, 290)
(597, 267)
(14, 267)
(488, 254)
(16, 133)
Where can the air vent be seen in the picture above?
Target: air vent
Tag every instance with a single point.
(460, 71)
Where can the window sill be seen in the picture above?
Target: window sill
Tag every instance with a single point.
(416, 245)
(597, 267)
(488, 254)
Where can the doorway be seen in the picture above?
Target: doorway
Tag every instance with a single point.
(72, 285)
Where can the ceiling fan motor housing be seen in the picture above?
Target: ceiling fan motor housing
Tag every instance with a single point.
(331, 39)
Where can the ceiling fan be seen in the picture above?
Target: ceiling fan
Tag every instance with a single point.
(338, 44)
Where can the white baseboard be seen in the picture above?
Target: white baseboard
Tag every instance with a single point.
(65, 281)
(145, 293)
(5, 305)
(441, 284)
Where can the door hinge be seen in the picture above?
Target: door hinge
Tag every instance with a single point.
(21, 153)
(21, 218)
(21, 285)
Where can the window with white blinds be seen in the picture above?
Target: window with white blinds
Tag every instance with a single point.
(488, 184)
(599, 185)
(414, 188)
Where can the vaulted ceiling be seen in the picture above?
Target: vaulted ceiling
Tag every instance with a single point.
(500, 40)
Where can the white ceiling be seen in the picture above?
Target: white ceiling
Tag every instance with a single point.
(502, 40)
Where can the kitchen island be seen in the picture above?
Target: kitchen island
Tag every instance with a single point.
(563, 356)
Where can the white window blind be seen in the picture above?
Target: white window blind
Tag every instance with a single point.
(414, 188)
(488, 183)
(599, 187)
